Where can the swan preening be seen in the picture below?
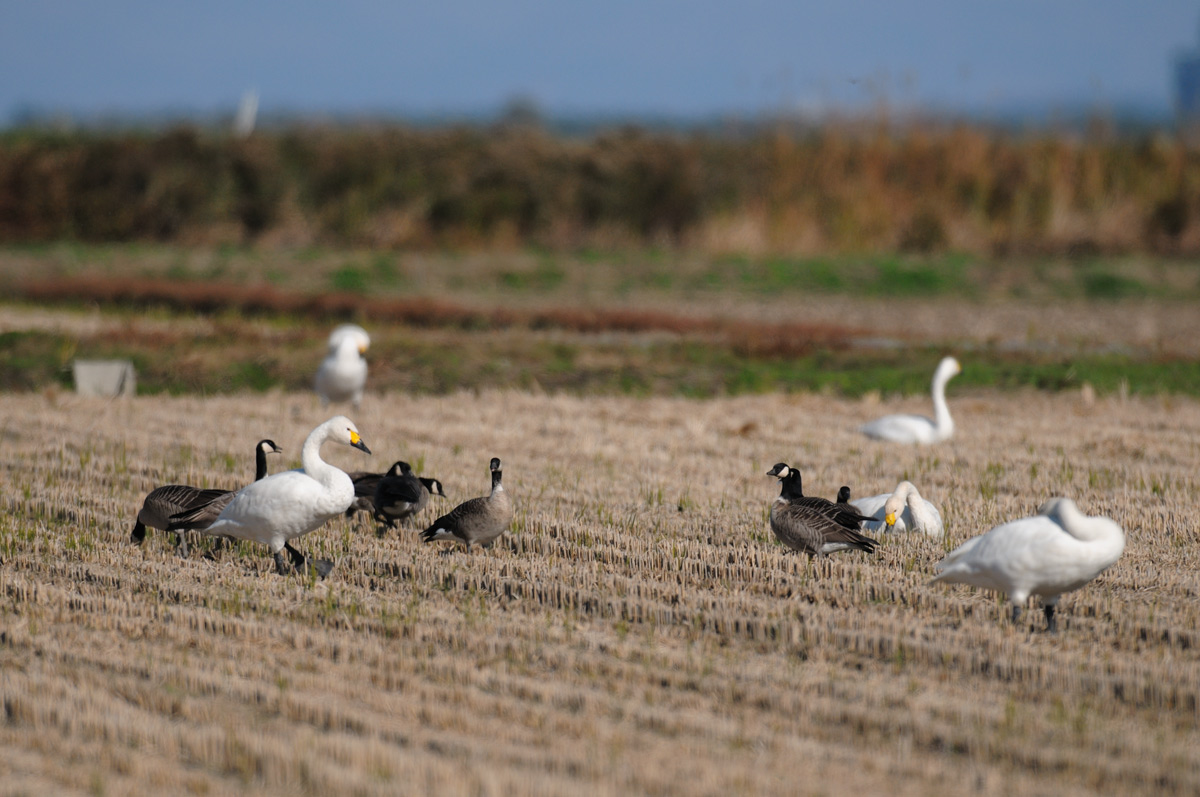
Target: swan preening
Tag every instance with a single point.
(918, 428)
(282, 507)
(1058, 550)
(813, 525)
(478, 521)
(343, 373)
(901, 510)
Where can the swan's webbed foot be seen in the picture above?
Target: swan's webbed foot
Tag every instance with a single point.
(322, 567)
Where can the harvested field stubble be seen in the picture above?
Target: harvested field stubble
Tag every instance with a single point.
(637, 630)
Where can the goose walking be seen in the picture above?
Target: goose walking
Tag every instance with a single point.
(400, 494)
(901, 510)
(1058, 550)
(812, 525)
(285, 506)
(918, 428)
(478, 521)
(343, 373)
(163, 503)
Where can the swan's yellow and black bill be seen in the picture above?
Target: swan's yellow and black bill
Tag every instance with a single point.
(890, 520)
(357, 441)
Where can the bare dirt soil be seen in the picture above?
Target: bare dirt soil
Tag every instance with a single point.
(638, 629)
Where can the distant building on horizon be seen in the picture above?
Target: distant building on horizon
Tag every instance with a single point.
(1187, 85)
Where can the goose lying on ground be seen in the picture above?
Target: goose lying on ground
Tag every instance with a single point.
(164, 503)
(1058, 550)
(343, 373)
(365, 483)
(815, 526)
(901, 510)
(478, 521)
(282, 507)
(918, 428)
(400, 494)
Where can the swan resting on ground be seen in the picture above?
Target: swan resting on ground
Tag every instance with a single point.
(1058, 550)
(282, 507)
(343, 373)
(901, 510)
(918, 428)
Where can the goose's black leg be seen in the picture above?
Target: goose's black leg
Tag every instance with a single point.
(181, 545)
(1016, 615)
(1051, 624)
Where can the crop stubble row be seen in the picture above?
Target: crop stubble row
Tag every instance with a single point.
(638, 629)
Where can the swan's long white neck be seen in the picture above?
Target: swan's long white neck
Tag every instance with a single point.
(923, 517)
(310, 455)
(942, 421)
(1100, 530)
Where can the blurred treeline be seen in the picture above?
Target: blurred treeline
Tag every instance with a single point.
(833, 189)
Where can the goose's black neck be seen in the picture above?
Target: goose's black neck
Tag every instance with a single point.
(790, 485)
(496, 478)
(260, 462)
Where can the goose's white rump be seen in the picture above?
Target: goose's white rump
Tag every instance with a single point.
(287, 505)
(1058, 550)
(343, 373)
(902, 510)
(918, 428)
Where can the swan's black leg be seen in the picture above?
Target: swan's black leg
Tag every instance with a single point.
(281, 565)
(1016, 615)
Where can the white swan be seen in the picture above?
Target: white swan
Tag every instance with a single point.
(918, 428)
(901, 510)
(280, 508)
(1058, 550)
(343, 373)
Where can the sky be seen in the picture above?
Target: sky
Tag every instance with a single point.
(666, 58)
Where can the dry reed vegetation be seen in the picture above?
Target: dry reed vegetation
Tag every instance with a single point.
(637, 631)
(851, 187)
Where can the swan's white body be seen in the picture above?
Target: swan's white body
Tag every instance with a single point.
(918, 428)
(1058, 550)
(287, 505)
(901, 510)
(343, 373)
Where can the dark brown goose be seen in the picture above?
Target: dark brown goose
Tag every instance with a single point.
(200, 516)
(364, 491)
(815, 526)
(164, 502)
(478, 521)
(400, 494)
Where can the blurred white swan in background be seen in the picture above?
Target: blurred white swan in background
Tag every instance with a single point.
(1058, 550)
(901, 510)
(918, 428)
(343, 373)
